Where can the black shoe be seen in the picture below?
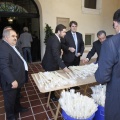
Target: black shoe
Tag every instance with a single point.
(54, 98)
(12, 119)
(22, 109)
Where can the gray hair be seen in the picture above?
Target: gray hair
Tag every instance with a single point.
(101, 32)
(25, 29)
(6, 28)
(6, 33)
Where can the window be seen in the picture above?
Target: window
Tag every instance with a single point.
(10, 7)
(64, 21)
(92, 6)
(18, 6)
(89, 39)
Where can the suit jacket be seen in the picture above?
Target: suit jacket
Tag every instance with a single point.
(67, 42)
(11, 67)
(95, 49)
(51, 60)
(109, 72)
(25, 39)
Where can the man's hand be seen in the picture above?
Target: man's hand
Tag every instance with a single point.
(66, 70)
(71, 49)
(86, 60)
(78, 54)
(14, 84)
(61, 53)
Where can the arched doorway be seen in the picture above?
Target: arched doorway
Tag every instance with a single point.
(21, 13)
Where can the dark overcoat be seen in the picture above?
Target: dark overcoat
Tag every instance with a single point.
(109, 72)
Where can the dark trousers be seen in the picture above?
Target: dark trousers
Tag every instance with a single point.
(76, 62)
(11, 102)
(27, 54)
(26, 76)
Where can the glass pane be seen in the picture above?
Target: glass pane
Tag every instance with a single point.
(87, 39)
(21, 6)
(10, 7)
(90, 4)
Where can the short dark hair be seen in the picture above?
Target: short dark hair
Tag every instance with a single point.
(116, 16)
(72, 22)
(101, 32)
(59, 27)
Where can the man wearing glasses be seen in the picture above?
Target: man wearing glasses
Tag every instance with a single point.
(72, 45)
(96, 46)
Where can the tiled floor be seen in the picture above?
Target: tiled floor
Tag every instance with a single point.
(33, 99)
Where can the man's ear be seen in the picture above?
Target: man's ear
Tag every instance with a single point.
(115, 24)
(6, 38)
(58, 32)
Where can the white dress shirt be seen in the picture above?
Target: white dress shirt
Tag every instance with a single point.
(76, 42)
(58, 37)
(25, 64)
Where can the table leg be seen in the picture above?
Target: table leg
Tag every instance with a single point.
(58, 109)
(55, 115)
(85, 91)
(48, 99)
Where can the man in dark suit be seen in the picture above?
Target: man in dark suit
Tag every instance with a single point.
(72, 45)
(12, 73)
(20, 50)
(96, 46)
(51, 60)
(109, 71)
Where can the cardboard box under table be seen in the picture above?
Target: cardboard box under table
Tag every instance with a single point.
(79, 82)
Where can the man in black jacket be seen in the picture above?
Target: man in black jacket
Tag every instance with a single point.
(96, 46)
(51, 60)
(72, 45)
(12, 73)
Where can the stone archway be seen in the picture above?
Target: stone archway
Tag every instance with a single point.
(22, 13)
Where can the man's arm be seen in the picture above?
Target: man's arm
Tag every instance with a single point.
(106, 61)
(92, 52)
(56, 55)
(31, 40)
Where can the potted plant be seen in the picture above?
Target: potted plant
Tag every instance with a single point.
(48, 32)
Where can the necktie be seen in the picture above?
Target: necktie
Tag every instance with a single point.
(75, 40)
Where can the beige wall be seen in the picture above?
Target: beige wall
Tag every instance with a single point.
(87, 23)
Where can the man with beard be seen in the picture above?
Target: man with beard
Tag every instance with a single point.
(51, 60)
